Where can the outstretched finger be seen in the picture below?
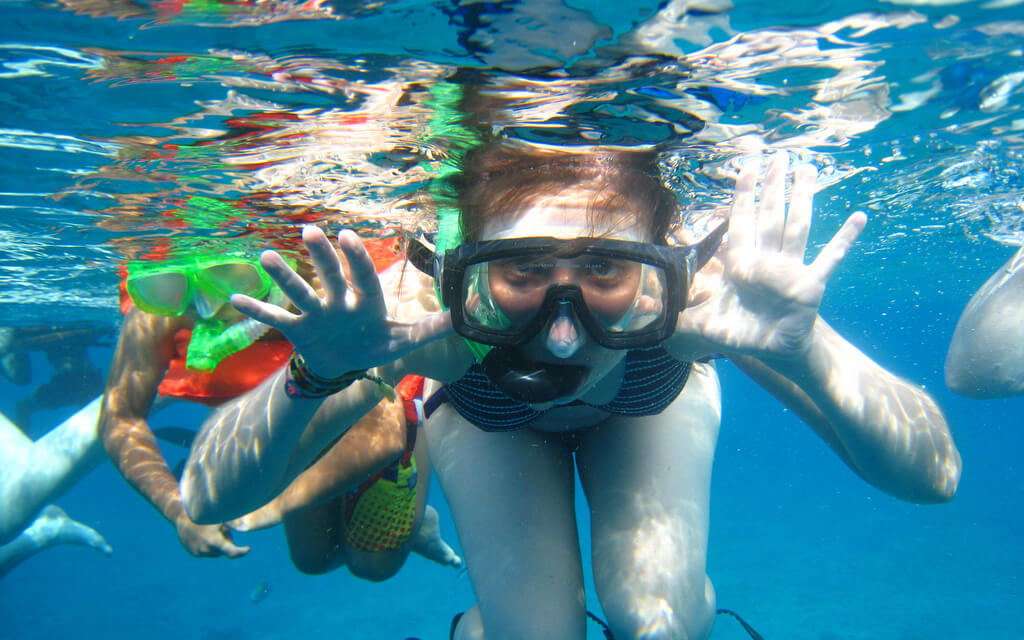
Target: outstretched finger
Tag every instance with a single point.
(834, 252)
(265, 312)
(361, 271)
(798, 220)
(227, 546)
(325, 261)
(771, 219)
(742, 220)
(291, 283)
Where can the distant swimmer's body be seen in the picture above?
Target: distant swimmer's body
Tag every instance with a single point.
(986, 354)
(34, 474)
(51, 528)
(75, 379)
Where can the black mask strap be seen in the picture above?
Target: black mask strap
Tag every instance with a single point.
(420, 255)
(709, 245)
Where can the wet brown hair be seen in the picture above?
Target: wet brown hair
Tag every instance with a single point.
(500, 179)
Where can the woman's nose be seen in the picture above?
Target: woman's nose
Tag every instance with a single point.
(564, 338)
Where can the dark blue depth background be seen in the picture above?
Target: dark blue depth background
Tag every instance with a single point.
(799, 545)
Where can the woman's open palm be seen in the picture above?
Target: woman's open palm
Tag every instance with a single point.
(768, 299)
(348, 328)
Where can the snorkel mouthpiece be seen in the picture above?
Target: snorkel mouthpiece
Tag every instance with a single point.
(212, 341)
(529, 380)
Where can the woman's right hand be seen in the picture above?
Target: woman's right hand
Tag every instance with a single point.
(348, 328)
(766, 304)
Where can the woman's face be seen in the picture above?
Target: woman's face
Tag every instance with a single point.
(610, 288)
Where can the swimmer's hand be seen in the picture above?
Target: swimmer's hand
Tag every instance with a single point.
(207, 540)
(768, 299)
(347, 329)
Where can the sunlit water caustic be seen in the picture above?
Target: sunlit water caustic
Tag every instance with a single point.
(130, 126)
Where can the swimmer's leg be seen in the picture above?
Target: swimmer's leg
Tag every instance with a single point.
(428, 541)
(511, 495)
(33, 474)
(372, 443)
(647, 482)
(467, 626)
(315, 537)
(51, 528)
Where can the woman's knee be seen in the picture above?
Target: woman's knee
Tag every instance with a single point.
(376, 566)
(686, 615)
(313, 563)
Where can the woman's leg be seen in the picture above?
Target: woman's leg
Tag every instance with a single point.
(426, 538)
(381, 565)
(647, 482)
(373, 442)
(511, 495)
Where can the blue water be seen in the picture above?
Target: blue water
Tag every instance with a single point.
(800, 546)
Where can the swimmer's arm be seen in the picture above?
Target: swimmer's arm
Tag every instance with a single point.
(886, 429)
(250, 449)
(144, 349)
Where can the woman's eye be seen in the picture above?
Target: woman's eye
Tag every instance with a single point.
(601, 268)
(529, 269)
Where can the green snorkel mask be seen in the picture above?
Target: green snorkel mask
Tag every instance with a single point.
(205, 284)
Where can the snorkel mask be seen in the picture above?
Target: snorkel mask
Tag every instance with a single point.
(204, 284)
(502, 294)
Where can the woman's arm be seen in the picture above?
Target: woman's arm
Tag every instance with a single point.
(252, 447)
(249, 449)
(888, 430)
(763, 314)
(143, 352)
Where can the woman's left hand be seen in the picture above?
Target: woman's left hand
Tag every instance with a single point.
(768, 299)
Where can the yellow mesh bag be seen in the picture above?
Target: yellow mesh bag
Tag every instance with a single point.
(380, 515)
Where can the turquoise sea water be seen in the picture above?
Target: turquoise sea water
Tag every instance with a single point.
(127, 125)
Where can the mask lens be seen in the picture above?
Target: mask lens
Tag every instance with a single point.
(165, 294)
(235, 277)
(479, 307)
(621, 294)
(634, 299)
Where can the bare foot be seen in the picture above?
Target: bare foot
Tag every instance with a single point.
(429, 544)
(51, 528)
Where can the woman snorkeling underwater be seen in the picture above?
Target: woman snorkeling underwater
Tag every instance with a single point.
(575, 341)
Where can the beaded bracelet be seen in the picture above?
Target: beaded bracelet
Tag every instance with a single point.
(301, 382)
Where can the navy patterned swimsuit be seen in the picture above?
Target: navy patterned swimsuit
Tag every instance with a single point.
(651, 381)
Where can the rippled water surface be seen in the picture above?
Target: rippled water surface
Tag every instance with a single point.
(127, 123)
(131, 126)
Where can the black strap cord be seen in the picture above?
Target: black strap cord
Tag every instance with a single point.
(753, 633)
(604, 626)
